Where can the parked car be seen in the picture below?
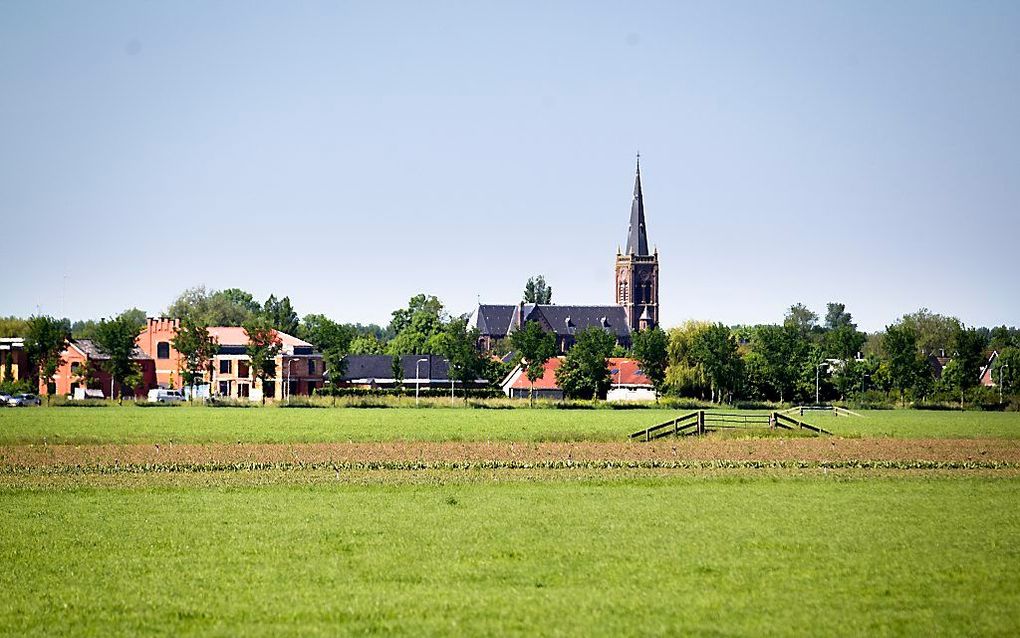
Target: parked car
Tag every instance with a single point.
(159, 395)
(4, 398)
(22, 400)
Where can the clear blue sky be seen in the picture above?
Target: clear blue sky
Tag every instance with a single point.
(351, 155)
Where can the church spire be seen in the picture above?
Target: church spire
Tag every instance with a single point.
(637, 236)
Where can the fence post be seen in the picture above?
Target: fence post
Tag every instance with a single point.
(701, 421)
(674, 425)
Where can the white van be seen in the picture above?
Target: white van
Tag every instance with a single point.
(159, 395)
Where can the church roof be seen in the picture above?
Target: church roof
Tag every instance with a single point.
(637, 235)
(492, 319)
(569, 320)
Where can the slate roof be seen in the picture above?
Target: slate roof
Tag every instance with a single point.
(637, 235)
(91, 351)
(380, 366)
(569, 320)
(492, 319)
(625, 372)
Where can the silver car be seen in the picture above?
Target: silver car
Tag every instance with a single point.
(22, 400)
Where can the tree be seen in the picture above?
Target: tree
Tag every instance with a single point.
(906, 365)
(115, 338)
(45, 338)
(263, 346)
(934, 332)
(1006, 369)
(836, 317)
(231, 307)
(416, 326)
(366, 344)
(801, 318)
(458, 344)
(651, 349)
(684, 375)
(537, 291)
(335, 361)
(843, 342)
(280, 315)
(584, 373)
(397, 368)
(13, 327)
(968, 357)
(775, 359)
(326, 334)
(716, 350)
(533, 347)
(197, 348)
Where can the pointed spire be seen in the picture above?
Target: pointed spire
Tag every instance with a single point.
(637, 236)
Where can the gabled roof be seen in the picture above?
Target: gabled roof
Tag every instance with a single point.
(637, 236)
(91, 351)
(569, 320)
(492, 319)
(625, 372)
(370, 367)
(236, 336)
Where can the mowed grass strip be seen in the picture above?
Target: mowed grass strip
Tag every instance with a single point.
(708, 555)
(185, 424)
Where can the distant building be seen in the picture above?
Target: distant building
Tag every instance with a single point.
(297, 370)
(375, 371)
(13, 360)
(81, 366)
(629, 382)
(636, 289)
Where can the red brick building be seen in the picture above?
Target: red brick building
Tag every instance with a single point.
(81, 367)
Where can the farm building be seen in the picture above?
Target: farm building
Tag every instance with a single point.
(629, 383)
(375, 371)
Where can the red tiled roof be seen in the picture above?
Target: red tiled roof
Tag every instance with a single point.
(236, 336)
(624, 372)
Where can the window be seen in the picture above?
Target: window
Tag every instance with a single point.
(243, 369)
(225, 366)
(242, 390)
(163, 350)
(311, 366)
(269, 389)
(225, 388)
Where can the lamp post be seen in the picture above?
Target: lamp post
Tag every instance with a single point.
(417, 379)
(818, 369)
(1005, 365)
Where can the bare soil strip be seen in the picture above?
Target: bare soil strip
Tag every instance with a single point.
(765, 450)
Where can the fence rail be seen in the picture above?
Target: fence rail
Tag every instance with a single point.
(699, 422)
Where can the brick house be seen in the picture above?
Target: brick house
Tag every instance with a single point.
(298, 369)
(629, 382)
(81, 355)
(13, 360)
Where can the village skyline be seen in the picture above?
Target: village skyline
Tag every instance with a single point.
(351, 156)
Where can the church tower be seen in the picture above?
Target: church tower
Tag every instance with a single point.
(637, 269)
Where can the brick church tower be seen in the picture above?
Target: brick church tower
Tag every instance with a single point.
(637, 270)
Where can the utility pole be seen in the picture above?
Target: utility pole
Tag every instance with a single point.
(1005, 365)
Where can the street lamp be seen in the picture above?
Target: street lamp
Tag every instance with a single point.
(1005, 365)
(818, 369)
(417, 379)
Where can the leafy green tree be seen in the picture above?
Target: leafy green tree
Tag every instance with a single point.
(459, 345)
(231, 307)
(933, 332)
(533, 347)
(776, 358)
(801, 318)
(45, 338)
(1006, 369)
(326, 334)
(907, 367)
(837, 317)
(1002, 337)
(397, 369)
(537, 291)
(968, 355)
(651, 349)
(843, 342)
(685, 375)
(281, 315)
(584, 373)
(335, 360)
(263, 347)
(366, 344)
(715, 350)
(417, 326)
(13, 327)
(115, 338)
(197, 348)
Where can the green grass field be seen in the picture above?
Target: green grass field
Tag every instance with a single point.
(748, 555)
(131, 424)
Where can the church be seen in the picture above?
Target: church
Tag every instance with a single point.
(635, 285)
